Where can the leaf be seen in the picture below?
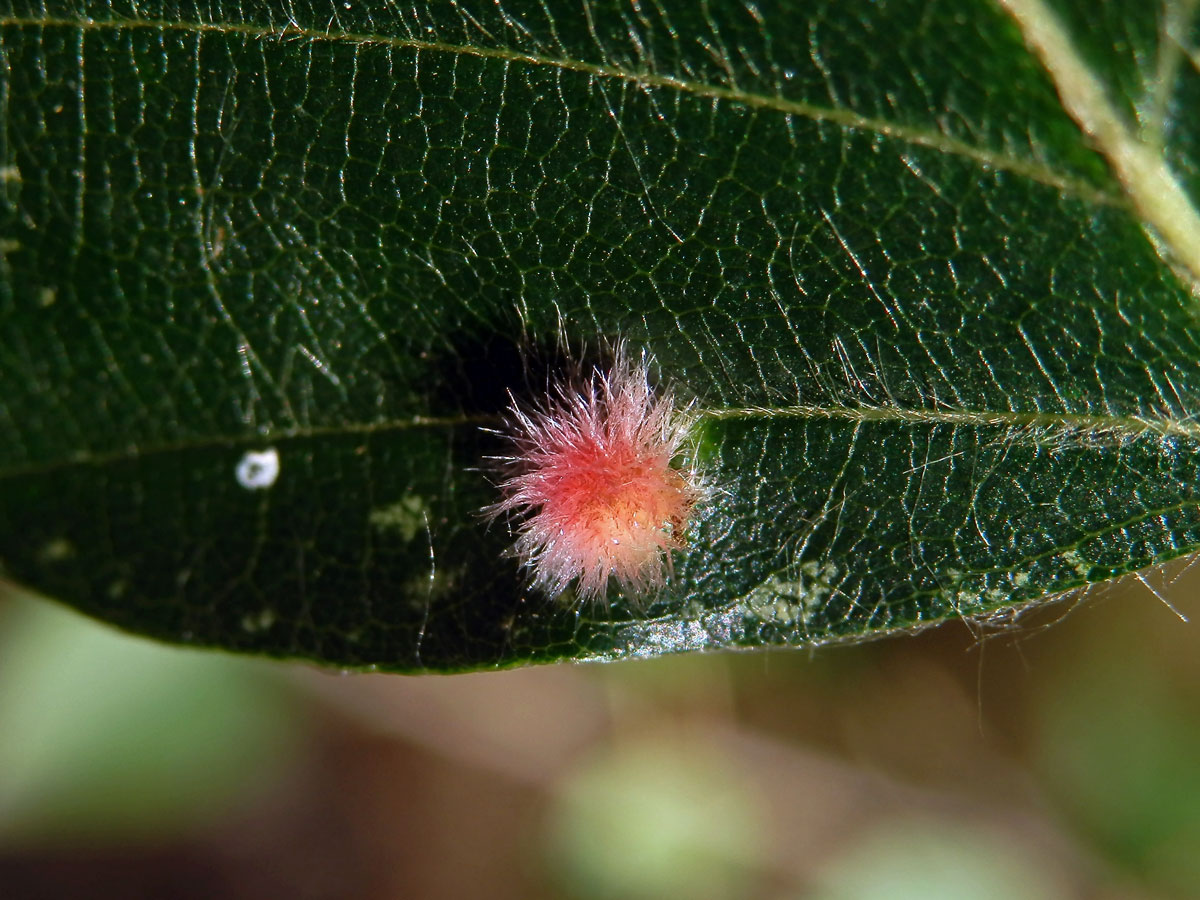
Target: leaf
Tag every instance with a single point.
(926, 270)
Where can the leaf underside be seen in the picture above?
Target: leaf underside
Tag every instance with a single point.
(942, 365)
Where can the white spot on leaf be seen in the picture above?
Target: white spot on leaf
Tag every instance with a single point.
(257, 470)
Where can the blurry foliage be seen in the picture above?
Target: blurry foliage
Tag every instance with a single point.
(653, 818)
(107, 739)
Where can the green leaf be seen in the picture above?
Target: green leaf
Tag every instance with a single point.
(927, 270)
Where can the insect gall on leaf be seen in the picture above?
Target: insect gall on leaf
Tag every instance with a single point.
(594, 486)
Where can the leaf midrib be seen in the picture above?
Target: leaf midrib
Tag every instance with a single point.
(1037, 425)
(846, 118)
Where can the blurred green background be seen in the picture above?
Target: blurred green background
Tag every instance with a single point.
(1051, 757)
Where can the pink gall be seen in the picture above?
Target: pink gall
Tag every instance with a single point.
(593, 485)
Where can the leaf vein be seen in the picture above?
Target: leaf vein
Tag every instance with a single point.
(845, 118)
